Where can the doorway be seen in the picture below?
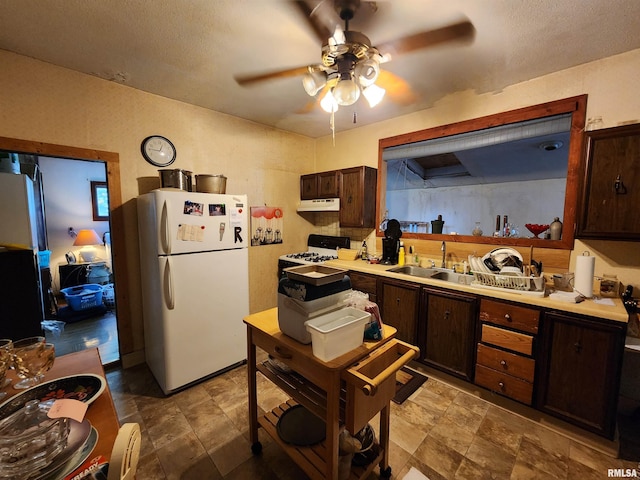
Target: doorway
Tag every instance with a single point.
(104, 329)
(73, 232)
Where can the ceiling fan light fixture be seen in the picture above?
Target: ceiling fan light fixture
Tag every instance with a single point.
(313, 82)
(346, 92)
(374, 94)
(328, 103)
(367, 72)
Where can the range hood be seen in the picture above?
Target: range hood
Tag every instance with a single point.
(320, 205)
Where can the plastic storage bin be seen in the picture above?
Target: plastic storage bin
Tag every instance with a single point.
(44, 256)
(293, 313)
(337, 332)
(83, 297)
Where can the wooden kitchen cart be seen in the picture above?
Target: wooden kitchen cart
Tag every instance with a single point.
(345, 392)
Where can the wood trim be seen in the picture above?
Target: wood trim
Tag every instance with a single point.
(576, 105)
(118, 247)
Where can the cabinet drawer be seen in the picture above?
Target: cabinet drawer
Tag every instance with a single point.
(290, 356)
(518, 342)
(512, 316)
(506, 362)
(504, 384)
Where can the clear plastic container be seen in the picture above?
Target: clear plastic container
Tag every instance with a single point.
(30, 440)
(609, 286)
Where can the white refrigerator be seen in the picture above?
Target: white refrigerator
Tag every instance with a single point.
(195, 283)
(18, 214)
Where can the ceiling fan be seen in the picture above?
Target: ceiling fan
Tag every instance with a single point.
(350, 64)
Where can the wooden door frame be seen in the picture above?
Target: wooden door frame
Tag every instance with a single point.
(119, 256)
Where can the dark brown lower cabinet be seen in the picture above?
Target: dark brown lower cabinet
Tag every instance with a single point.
(580, 370)
(366, 283)
(447, 331)
(399, 304)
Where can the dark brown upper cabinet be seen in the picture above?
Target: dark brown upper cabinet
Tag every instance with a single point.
(610, 200)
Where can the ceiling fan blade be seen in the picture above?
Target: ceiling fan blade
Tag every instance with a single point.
(314, 103)
(322, 18)
(246, 80)
(397, 88)
(461, 31)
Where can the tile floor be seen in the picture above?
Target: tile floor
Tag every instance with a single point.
(446, 433)
(101, 332)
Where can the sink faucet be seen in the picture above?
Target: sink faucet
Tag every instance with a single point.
(443, 247)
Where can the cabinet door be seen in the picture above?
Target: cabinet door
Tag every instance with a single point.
(580, 376)
(400, 304)
(358, 197)
(612, 185)
(309, 187)
(328, 184)
(364, 283)
(447, 340)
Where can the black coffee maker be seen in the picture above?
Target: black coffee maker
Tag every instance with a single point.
(391, 243)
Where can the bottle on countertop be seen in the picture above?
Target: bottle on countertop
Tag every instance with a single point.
(555, 229)
(363, 252)
(401, 254)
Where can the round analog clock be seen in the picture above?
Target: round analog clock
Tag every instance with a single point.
(158, 151)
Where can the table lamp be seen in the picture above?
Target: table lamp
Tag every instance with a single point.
(87, 239)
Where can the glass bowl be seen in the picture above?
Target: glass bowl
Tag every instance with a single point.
(30, 440)
(536, 228)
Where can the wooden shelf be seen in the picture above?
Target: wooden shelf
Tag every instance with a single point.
(301, 390)
(310, 459)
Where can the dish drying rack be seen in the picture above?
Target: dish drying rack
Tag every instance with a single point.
(503, 281)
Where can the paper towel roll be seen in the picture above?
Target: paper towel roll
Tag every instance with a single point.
(583, 282)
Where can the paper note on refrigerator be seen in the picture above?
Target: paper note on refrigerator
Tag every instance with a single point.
(190, 233)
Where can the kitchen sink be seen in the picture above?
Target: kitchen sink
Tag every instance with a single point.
(453, 277)
(415, 271)
(434, 273)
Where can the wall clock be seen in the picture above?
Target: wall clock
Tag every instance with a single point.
(158, 151)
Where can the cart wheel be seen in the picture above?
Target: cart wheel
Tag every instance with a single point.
(385, 472)
(256, 448)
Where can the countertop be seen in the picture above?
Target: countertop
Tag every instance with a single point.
(589, 307)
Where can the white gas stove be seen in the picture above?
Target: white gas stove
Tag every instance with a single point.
(320, 248)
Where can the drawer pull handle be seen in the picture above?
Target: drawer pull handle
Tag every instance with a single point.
(501, 385)
(369, 386)
(282, 353)
(503, 363)
(507, 317)
(578, 347)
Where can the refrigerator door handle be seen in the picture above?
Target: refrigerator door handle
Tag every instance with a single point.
(167, 287)
(165, 234)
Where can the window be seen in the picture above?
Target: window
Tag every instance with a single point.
(100, 201)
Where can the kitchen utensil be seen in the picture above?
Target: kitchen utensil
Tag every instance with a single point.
(211, 183)
(176, 178)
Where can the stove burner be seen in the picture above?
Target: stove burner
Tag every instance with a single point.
(311, 257)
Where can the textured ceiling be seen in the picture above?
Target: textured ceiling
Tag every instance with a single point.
(190, 50)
